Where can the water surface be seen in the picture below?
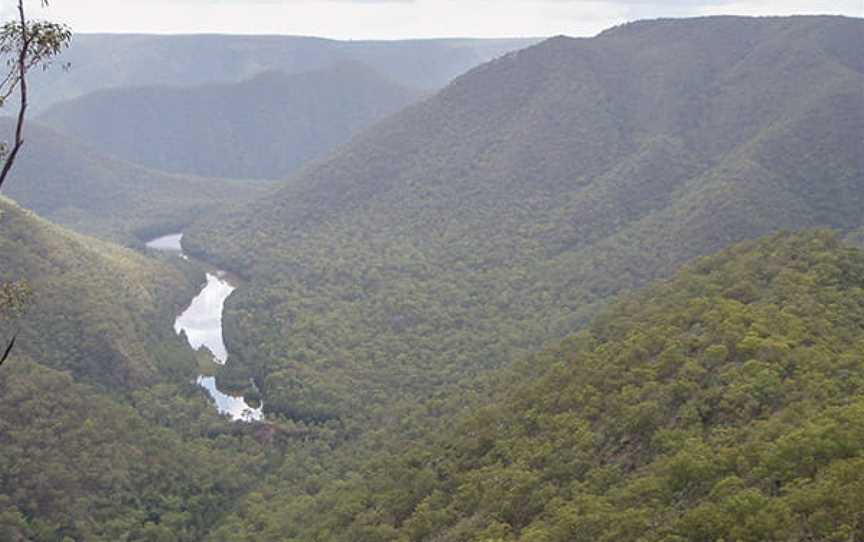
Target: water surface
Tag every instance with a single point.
(168, 243)
(234, 406)
(201, 322)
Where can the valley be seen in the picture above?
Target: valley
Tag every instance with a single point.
(291, 120)
(450, 239)
(292, 289)
(201, 324)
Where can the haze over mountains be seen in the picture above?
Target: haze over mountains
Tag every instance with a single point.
(503, 211)
(264, 127)
(103, 61)
(435, 305)
(79, 186)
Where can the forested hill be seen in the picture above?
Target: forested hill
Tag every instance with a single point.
(502, 212)
(81, 187)
(724, 404)
(265, 127)
(101, 312)
(104, 435)
(103, 61)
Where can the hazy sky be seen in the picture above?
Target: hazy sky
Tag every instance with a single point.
(388, 19)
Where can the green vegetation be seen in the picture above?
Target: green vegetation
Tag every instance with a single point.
(388, 289)
(98, 311)
(266, 127)
(103, 435)
(856, 237)
(78, 464)
(724, 404)
(82, 188)
(13, 298)
(502, 213)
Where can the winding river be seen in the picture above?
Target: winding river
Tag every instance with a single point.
(202, 324)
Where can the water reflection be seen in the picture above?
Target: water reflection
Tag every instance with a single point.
(201, 322)
(236, 407)
(167, 242)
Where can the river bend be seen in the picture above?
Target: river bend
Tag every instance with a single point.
(201, 323)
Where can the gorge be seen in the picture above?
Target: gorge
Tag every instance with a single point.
(201, 324)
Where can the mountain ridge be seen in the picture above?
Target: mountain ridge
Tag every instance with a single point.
(722, 403)
(79, 186)
(503, 211)
(183, 60)
(265, 127)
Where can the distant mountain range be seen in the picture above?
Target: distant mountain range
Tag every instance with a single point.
(502, 212)
(79, 186)
(437, 314)
(264, 127)
(103, 61)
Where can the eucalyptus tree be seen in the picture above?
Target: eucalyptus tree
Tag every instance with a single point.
(25, 44)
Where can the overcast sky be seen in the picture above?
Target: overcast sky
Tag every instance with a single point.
(390, 19)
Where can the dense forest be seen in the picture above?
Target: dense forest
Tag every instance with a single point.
(79, 464)
(601, 289)
(103, 434)
(723, 404)
(96, 310)
(500, 214)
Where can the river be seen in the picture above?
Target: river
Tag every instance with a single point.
(202, 324)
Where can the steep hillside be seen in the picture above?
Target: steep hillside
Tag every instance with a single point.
(104, 435)
(80, 465)
(266, 127)
(85, 189)
(505, 210)
(98, 311)
(137, 60)
(724, 404)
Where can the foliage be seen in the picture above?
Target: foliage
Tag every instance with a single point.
(496, 217)
(40, 41)
(103, 434)
(78, 465)
(503, 212)
(856, 237)
(25, 45)
(101, 312)
(13, 298)
(724, 404)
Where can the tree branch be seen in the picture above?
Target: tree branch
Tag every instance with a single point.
(22, 91)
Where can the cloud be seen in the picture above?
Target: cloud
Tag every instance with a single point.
(854, 8)
(391, 19)
(285, 3)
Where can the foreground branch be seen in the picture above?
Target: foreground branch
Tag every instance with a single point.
(22, 91)
(31, 43)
